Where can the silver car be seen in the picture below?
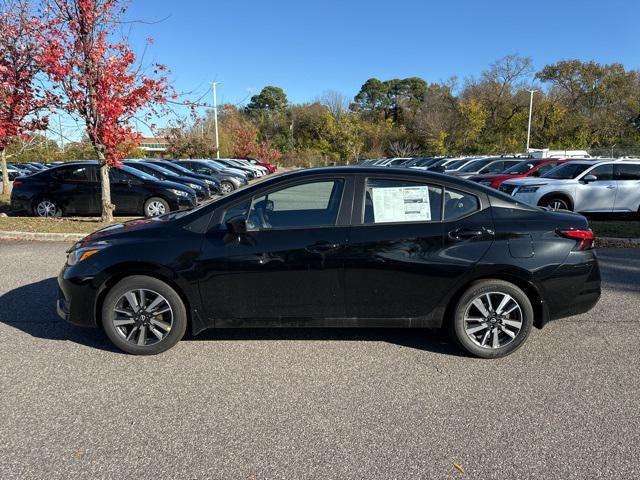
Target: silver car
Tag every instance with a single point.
(588, 186)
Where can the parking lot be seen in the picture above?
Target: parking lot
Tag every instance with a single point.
(316, 403)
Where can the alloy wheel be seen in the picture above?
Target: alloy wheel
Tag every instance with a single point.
(557, 205)
(155, 208)
(226, 187)
(142, 317)
(47, 208)
(493, 320)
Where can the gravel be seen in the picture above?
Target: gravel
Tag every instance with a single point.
(325, 403)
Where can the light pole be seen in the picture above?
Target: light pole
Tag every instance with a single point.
(215, 118)
(530, 111)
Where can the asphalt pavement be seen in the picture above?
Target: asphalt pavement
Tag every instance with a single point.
(326, 403)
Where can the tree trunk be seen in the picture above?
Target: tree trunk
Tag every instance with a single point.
(105, 187)
(5, 173)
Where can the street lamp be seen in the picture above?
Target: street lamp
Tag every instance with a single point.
(530, 111)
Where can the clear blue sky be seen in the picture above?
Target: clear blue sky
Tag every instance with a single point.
(307, 46)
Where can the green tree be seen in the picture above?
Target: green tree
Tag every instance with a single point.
(270, 98)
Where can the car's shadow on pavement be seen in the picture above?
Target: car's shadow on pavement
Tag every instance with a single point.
(31, 309)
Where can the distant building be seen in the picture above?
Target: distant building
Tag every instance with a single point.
(546, 153)
(154, 145)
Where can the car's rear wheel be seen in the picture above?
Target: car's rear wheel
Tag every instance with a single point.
(143, 315)
(556, 203)
(226, 187)
(47, 208)
(156, 206)
(492, 319)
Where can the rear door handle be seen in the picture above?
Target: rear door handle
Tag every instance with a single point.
(321, 246)
(466, 233)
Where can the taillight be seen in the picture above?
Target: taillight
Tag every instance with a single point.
(17, 183)
(585, 238)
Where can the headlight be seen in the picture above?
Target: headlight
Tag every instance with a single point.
(210, 182)
(78, 255)
(178, 193)
(195, 186)
(528, 188)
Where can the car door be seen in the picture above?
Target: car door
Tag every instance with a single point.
(288, 267)
(77, 189)
(403, 256)
(627, 178)
(125, 192)
(598, 195)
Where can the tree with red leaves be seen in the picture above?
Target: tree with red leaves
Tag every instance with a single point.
(21, 97)
(99, 80)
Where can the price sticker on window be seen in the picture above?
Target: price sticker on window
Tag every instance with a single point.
(401, 204)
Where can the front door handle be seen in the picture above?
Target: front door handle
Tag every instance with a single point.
(465, 233)
(611, 187)
(320, 247)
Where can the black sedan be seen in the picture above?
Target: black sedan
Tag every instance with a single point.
(74, 189)
(229, 181)
(349, 247)
(225, 183)
(203, 192)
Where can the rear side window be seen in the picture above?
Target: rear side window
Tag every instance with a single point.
(545, 168)
(459, 204)
(628, 171)
(394, 201)
(83, 173)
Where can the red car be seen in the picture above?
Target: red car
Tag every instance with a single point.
(262, 163)
(526, 168)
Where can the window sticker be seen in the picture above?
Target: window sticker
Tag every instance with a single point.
(401, 204)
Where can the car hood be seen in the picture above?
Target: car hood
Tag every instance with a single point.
(534, 181)
(125, 229)
(174, 185)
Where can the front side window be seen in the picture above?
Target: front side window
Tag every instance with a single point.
(311, 204)
(459, 204)
(567, 171)
(400, 201)
(603, 172)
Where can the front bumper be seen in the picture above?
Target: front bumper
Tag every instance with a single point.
(187, 202)
(76, 299)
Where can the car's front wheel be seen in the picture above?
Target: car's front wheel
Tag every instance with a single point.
(156, 206)
(556, 203)
(492, 319)
(143, 315)
(226, 187)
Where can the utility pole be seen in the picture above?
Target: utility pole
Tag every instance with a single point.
(61, 134)
(215, 118)
(530, 111)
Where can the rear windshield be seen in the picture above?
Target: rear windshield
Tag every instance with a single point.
(567, 171)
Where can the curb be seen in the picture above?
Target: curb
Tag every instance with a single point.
(42, 237)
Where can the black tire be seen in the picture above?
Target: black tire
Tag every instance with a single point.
(178, 312)
(495, 288)
(155, 206)
(556, 203)
(47, 208)
(226, 187)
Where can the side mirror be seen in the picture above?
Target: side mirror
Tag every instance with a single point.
(589, 178)
(237, 225)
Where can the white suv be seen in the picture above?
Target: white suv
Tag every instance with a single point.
(582, 186)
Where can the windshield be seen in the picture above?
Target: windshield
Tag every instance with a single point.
(175, 167)
(159, 169)
(522, 167)
(217, 165)
(456, 164)
(476, 165)
(138, 173)
(567, 171)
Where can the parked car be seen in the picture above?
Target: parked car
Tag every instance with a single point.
(263, 163)
(586, 186)
(421, 162)
(440, 165)
(342, 246)
(232, 166)
(258, 169)
(525, 168)
(485, 165)
(74, 189)
(202, 189)
(13, 172)
(228, 181)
